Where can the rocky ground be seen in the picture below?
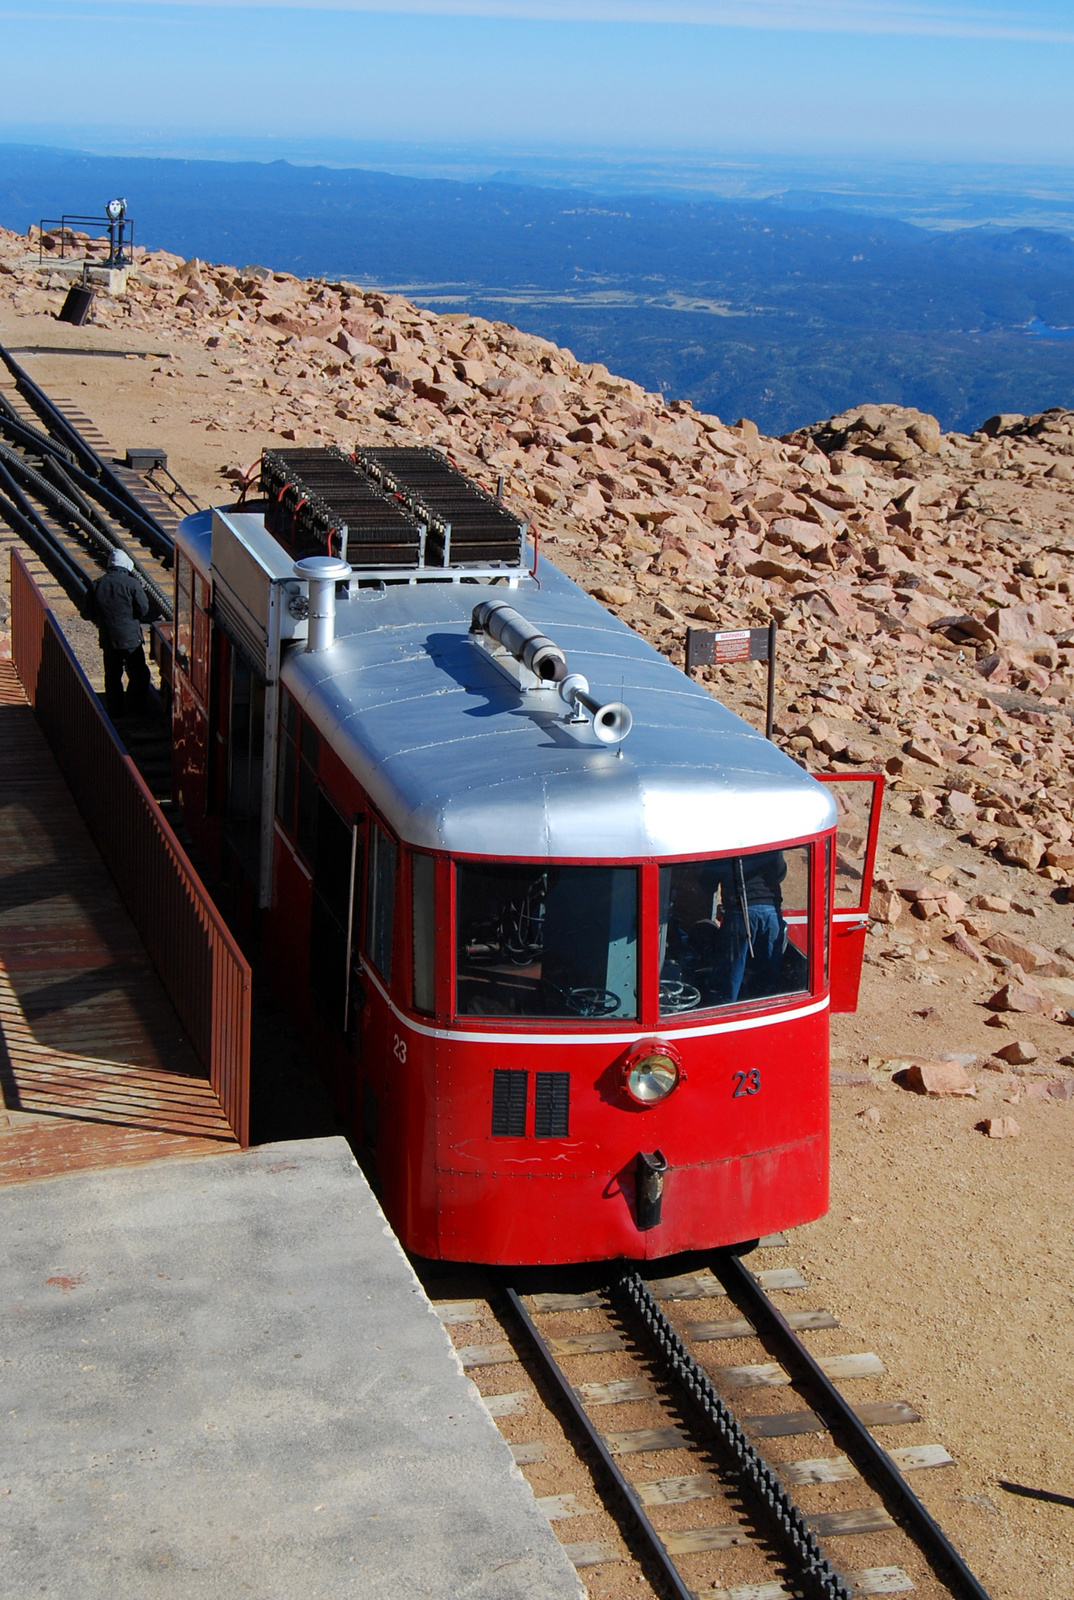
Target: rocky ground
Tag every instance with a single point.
(922, 586)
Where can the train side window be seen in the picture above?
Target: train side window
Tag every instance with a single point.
(309, 751)
(827, 907)
(333, 877)
(246, 722)
(200, 637)
(287, 762)
(734, 929)
(380, 900)
(183, 601)
(422, 877)
(547, 941)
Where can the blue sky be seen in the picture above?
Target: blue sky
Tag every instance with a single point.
(950, 81)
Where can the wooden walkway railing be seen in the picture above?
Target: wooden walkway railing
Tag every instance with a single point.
(204, 972)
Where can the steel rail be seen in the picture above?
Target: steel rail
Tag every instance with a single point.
(139, 523)
(56, 500)
(777, 1513)
(93, 464)
(743, 1287)
(28, 437)
(68, 574)
(145, 528)
(619, 1484)
(53, 469)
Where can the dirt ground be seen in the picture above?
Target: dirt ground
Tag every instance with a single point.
(947, 1253)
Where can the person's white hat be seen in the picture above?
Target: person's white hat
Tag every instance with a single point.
(120, 558)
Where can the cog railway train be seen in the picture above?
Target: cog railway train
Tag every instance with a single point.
(564, 931)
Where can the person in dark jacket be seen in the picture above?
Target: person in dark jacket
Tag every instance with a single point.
(122, 605)
(742, 953)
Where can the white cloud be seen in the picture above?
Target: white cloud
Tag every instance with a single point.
(1045, 26)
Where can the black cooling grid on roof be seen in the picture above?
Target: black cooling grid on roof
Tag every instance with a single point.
(312, 495)
(466, 525)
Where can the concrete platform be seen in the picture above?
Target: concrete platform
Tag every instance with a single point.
(220, 1378)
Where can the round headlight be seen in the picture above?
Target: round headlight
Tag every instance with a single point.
(652, 1078)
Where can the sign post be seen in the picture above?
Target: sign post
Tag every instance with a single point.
(705, 647)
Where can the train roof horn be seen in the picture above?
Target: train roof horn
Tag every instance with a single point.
(534, 662)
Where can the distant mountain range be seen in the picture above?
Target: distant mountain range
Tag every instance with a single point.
(744, 307)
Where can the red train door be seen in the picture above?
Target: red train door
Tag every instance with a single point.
(858, 797)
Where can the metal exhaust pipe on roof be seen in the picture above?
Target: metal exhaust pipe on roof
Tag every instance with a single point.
(322, 573)
(521, 639)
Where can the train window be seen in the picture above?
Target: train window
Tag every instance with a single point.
(333, 876)
(828, 905)
(734, 929)
(380, 901)
(422, 875)
(546, 941)
(245, 756)
(309, 746)
(183, 603)
(200, 637)
(287, 762)
(852, 803)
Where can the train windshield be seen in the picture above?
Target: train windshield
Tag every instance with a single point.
(734, 929)
(546, 941)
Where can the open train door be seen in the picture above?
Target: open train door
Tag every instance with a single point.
(858, 797)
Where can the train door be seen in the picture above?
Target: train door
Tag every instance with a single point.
(858, 797)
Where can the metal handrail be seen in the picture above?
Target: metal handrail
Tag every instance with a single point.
(120, 236)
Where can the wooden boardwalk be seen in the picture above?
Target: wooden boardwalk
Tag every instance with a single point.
(94, 1067)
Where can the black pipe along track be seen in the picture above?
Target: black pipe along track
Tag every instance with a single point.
(837, 1414)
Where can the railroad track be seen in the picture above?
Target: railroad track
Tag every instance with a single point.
(694, 1461)
(64, 497)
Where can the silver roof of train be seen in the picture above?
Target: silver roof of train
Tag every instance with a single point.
(459, 759)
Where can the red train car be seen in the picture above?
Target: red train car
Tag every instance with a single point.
(569, 963)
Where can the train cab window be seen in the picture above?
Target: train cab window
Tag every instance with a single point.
(246, 720)
(297, 757)
(287, 762)
(309, 754)
(380, 900)
(422, 878)
(734, 929)
(200, 640)
(546, 941)
(334, 870)
(184, 593)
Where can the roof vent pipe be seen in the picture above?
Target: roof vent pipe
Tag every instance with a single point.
(322, 573)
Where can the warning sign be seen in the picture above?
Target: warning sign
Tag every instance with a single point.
(709, 647)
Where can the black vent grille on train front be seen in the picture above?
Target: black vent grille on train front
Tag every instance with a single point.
(551, 1107)
(318, 500)
(509, 1102)
(467, 527)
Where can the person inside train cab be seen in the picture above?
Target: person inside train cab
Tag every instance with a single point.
(752, 928)
(740, 946)
(121, 605)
